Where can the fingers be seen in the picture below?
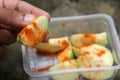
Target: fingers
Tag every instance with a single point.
(1, 3)
(14, 19)
(28, 8)
(2, 26)
(6, 37)
(18, 13)
(9, 4)
(14, 15)
(24, 7)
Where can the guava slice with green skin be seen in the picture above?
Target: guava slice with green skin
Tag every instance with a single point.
(62, 41)
(34, 32)
(77, 52)
(79, 40)
(54, 45)
(71, 64)
(89, 62)
(66, 54)
(95, 55)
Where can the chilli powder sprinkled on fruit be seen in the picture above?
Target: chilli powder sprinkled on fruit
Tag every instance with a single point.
(87, 39)
(64, 43)
(31, 34)
(100, 52)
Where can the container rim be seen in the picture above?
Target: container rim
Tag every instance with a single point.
(72, 71)
(82, 17)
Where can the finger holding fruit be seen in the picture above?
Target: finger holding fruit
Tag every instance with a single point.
(14, 16)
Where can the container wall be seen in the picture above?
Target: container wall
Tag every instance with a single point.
(61, 27)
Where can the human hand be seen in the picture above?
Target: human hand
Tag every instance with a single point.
(14, 15)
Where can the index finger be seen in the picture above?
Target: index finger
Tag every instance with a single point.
(24, 7)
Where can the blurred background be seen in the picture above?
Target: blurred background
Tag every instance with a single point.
(11, 66)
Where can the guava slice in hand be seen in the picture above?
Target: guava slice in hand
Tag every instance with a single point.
(95, 55)
(71, 64)
(53, 45)
(34, 32)
(79, 40)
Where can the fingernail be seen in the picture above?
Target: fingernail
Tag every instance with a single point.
(28, 18)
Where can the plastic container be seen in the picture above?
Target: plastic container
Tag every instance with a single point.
(66, 26)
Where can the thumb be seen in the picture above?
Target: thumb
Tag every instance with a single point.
(14, 18)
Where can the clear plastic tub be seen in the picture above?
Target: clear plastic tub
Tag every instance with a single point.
(67, 26)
